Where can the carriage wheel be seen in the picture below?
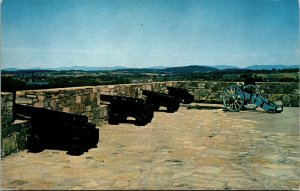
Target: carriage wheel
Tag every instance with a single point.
(113, 119)
(141, 120)
(233, 98)
(173, 107)
(252, 89)
(34, 143)
(76, 147)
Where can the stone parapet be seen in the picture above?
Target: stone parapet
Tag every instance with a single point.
(13, 133)
(287, 92)
(86, 100)
(80, 100)
(6, 108)
(13, 137)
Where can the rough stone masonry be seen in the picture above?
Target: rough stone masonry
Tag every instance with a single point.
(86, 101)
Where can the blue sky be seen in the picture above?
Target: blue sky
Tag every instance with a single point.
(144, 33)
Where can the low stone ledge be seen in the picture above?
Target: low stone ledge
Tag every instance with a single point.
(6, 108)
(288, 100)
(14, 137)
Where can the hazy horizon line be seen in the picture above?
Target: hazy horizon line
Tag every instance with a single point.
(154, 66)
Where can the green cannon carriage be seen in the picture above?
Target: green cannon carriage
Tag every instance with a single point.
(236, 98)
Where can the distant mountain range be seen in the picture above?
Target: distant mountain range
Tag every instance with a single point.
(256, 67)
(225, 67)
(181, 69)
(270, 67)
(189, 69)
(82, 68)
(89, 68)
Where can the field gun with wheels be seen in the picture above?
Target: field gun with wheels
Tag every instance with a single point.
(121, 107)
(160, 99)
(236, 98)
(57, 130)
(182, 94)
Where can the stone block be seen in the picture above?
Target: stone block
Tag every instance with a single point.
(30, 96)
(9, 105)
(53, 104)
(66, 109)
(98, 102)
(76, 108)
(22, 100)
(148, 87)
(286, 101)
(55, 96)
(92, 96)
(40, 97)
(20, 93)
(170, 83)
(88, 108)
(103, 111)
(95, 90)
(9, 144)
(13, 137)
(104, 89)
(39, 104)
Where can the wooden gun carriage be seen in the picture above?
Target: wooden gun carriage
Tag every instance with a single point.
(182, 94)
(57, 130)
(121, 107)
(160, 99)
(247, 97)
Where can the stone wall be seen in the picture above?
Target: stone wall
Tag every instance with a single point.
(202, 90)
(86, 101)
(13, 133)
(287, 92)
(79, 100)
(6, 109)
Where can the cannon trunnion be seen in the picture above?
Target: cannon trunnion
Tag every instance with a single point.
(160, 99)
(58, 130)
(236, 98)
(182, 94)
(121, 107)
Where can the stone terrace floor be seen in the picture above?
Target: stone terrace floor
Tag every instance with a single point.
(189, 149)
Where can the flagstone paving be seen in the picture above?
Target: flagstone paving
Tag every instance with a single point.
(189, 149)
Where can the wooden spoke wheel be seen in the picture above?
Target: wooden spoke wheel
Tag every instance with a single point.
(254, 90)
(233, 98)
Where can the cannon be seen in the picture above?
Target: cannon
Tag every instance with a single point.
(121, 107)
(57, 130)
(236, 98)
(160, 99)
(182, 94)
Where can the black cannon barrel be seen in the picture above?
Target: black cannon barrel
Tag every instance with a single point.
(50, 115)
(158, 99)
(177, 89)
(181, 93)
(121, 99)
(157, 94)
(121, 107)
